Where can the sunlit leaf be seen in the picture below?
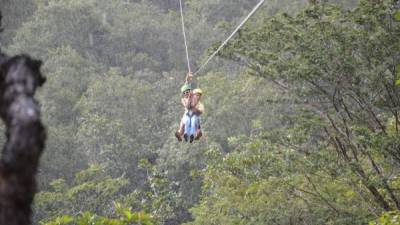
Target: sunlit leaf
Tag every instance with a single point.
(397, 15)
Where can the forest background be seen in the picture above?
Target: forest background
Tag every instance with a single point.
(301, 123)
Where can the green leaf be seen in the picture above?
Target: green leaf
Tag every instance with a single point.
(398, 74)
(84, 219)
(128, 215)
(397, 16)
(66, 219)
(398, 71)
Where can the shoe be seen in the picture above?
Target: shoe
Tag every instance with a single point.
(185, 136)
(191, 138)
(198, 136)
(178, 136)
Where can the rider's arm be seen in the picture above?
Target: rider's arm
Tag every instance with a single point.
(198, 108)
(189, 78)
(185, 102)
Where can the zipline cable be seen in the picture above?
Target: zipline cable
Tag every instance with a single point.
(184, 37)
(229, 38)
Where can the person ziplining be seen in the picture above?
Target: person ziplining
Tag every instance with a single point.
(189, 127)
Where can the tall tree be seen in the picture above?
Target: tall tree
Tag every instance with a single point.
(19, 78)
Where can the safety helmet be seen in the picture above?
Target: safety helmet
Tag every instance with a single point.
(185, 88)
(198, 91)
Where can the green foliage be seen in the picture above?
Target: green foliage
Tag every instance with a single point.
(261, 183)
(115, 113)
(338, 151)
(68, 75)
(398, 74)
(160, 198)
(90, 191)
(397, 15)
(388, 218)
(123, 216)
(53, 18)
(306, 133)
(13, 17)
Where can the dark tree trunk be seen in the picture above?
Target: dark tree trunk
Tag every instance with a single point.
(19, 78)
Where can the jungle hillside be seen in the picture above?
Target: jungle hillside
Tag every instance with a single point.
(301, 124)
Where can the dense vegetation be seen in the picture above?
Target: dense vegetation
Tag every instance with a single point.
(301, 124)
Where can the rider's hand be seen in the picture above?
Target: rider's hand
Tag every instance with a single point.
(189, 76)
